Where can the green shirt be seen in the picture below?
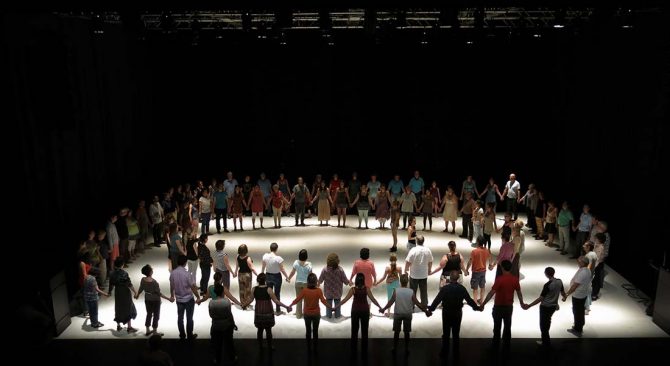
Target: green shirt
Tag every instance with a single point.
(564, 217)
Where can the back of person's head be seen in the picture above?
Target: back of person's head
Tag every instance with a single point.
(333, 261)
(242, 250)
(583, 261)
(302, 255)
(452, 245)
(311, 280)
(420, 239)
(146, 270)
(119, 262)
(601, 238)
(181, 260)
(220, 244)
(217, 277)
(589, 245)
(203, 238)
(94, 271)
(360, 280)
(454, 275)
(393, 257)
(549, 271)
(218, 289)
(506, 265)
(274, 247)
(481, 241)
(155, 342)
(261, 279)
(365, 253)
(404, 279)
(518, 224)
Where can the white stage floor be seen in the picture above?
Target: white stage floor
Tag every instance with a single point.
(615, 315)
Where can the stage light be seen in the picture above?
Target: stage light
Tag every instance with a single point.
(167, 23)
(424, 38)
(327, 38)
(626, 18)
(246, 21)
(195, 29)
(97, 24)
(559, 19)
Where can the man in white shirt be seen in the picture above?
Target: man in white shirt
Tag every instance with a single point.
(511, 193)
(579, 289)
(418, 264)
(273, 267)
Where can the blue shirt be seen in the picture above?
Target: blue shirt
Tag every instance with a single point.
(395, 187)
(585, 222)
(302, 271)
(416, 185)
(266, 186)
(221, 199)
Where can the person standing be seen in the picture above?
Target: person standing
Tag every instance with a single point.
(583, 229)
(223, 325)
(312, 313)
(205, 258)
(479, 257)
(450, 213)
(503, 289)
(420, 261)
(452, 261)
(152, 299)
(300, 196)
(548, 301)
(407, 205)
(360, 312)
(404, 299)
(91, 291)
(124, 309)
(469, 186)
(417, 185)
(579, 289)
(221, 208)
(222, 263)
(466, 212)
(332, 276)
(363, 202)
(451, 297)
(243, 271)
(205, 211)
(565, 220)
(182, 289)
(365, 266)
(511, 193)
(273, 267)
(303, 268)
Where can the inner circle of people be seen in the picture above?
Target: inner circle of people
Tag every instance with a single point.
(182, 221)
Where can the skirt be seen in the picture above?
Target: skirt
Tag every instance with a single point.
(264, 316)
(324, 210)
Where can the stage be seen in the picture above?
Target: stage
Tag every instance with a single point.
(615, 315)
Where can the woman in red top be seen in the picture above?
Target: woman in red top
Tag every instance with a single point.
(236, 207)
(258, 205)
(278, 201)
(360, 312)
(311, 311)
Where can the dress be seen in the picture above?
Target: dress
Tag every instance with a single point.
(124, 308)
(257, 201)
(341, 199)
(324, 206)
(264, 316)
(450, 209)
(382, 206)
(236, 206)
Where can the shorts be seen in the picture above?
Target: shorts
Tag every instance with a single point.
(478, 280)
(402, 319)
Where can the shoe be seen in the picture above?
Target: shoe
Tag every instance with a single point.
(131, 330)
(226, 231)
(193, 336)
(446, 231)
(118, 328)
(157, 333)
(98, 325)
(575, 332)
(393, 249)
(595, 298)
(218, 231)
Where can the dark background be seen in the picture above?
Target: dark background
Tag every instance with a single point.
(101, 121)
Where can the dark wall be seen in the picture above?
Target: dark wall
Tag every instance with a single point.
(106, 120)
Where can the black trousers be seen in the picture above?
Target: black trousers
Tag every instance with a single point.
(598, 279)
(578, 313)
(362, 319)
(451, 325)
(158, 234)
(512, 207)
(206, 270)
(299, 212)
(221, 214)
(468, 229)
(222, 340)
(546, 313)
(502, 314)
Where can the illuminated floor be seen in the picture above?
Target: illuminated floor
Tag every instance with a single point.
(615, 315)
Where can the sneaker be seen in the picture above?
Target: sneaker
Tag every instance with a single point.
(575, 332)
(193, 336)
(98, 325)
(226, 231)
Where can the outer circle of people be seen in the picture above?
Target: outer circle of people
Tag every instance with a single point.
(189, 211)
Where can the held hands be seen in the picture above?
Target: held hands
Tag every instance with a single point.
(172, 299)
(428, 313)
(466, 273)
(289, 309)
(287, 280)
(565, 298)
(525, 306)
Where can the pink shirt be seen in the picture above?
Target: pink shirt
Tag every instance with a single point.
(367, 268)
(506, 252)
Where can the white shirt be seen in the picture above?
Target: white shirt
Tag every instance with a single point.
(419, 257)
(156, 213)
(583, 278)
(272, 262)
(513, 188)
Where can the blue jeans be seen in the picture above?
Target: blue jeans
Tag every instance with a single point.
(204, 217)
(93, 311)
(333, 303)
(189, 307)
(274, 282)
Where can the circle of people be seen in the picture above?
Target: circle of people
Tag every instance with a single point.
(125, 237)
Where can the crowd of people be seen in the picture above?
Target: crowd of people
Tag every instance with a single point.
(182, 221)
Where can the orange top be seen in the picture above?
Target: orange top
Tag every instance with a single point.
(311, 297)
